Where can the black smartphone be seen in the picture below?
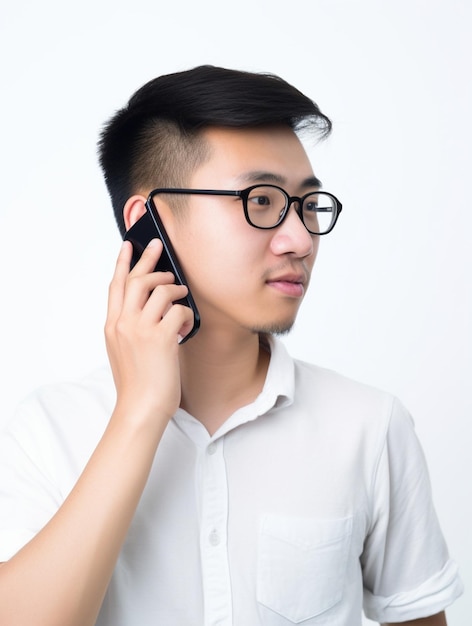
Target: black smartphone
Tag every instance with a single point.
(148, 227)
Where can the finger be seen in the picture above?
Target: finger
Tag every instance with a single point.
(139, 289)
(178, 322)
(118, 282)
(149, 258)
(161, 301)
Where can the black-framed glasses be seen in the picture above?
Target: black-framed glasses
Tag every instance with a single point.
(266, 206)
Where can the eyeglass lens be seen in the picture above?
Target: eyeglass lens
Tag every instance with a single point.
(265, 206)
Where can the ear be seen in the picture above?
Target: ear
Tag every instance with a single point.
(134, 208)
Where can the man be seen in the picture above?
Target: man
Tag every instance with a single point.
(215, 480)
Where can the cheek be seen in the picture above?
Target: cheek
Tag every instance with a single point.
(225, 261)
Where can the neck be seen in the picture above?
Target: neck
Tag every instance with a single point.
(220, 374)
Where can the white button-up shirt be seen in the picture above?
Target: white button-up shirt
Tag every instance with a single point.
(303, 507)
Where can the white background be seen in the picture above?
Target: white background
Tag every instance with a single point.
(390, 302)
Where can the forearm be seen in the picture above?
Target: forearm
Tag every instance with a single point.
(61, 576)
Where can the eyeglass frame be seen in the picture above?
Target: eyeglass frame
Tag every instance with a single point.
(243, 194)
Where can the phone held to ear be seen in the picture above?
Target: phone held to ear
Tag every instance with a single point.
(148, 227)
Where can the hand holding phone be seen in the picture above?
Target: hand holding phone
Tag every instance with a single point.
(148, 227)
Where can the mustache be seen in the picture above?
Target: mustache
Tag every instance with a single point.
(298, 269)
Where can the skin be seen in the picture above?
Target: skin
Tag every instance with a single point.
(243, 280)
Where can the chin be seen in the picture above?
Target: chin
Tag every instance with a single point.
(275, 328)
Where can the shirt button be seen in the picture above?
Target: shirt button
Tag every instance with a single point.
(211, 448)
(214, 538)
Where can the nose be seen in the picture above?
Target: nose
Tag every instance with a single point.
(291, 237)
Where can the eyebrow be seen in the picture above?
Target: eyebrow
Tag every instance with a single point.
(260, 176)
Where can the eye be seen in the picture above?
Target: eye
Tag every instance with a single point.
(265, 206)
(311, 205)
(318, 203)
(260, 200)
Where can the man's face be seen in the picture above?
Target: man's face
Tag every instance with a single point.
(243, 277)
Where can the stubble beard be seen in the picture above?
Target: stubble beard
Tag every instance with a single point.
(278, 330)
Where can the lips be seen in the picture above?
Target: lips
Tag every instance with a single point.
(290, 284)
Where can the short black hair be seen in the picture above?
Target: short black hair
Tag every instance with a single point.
(155, 140)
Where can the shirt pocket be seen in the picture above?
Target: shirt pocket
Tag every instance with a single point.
(302, 565)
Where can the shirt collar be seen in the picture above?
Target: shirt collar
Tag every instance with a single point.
(278, 392)
(279, 386)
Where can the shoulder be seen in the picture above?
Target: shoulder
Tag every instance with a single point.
(330, 388)
(326, 396)
(68, 415)
(93, 391)
(340, 407)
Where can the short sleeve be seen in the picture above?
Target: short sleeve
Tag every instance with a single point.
(28, 498)
(44, 449)
(407, 571)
